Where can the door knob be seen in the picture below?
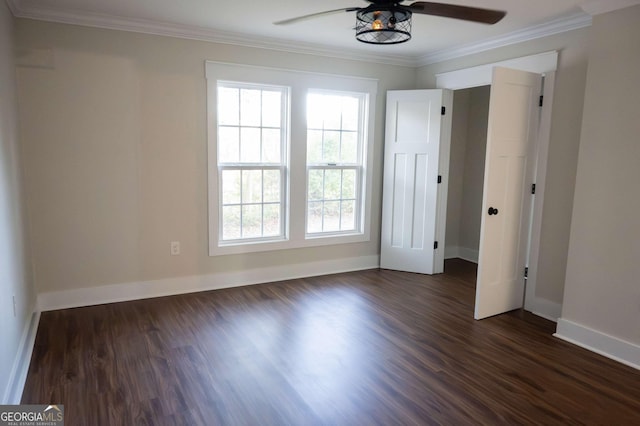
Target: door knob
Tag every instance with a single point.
(492, 211)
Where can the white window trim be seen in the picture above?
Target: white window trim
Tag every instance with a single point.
(299, 83)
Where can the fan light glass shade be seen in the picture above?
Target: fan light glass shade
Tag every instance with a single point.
(383, 25)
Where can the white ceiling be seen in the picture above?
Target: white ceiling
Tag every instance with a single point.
(250, 22)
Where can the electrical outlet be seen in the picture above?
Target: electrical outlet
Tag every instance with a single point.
(14, 306)
(175, 248)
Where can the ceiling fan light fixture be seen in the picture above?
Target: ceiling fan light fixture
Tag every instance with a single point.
(379, 24)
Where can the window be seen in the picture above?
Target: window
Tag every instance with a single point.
(334, 161)
(289, 158)
(251, 165)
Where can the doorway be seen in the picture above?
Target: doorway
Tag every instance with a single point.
(545, 64)
(466, 172)
(515, 157)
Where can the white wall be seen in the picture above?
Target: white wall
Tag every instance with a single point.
(563, 147)
(15, 276)
(114, 136)
(602, 292)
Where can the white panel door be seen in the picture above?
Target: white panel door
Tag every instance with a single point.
(410, 187)
(509, 168)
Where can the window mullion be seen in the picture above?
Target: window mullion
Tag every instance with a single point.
(359, 194)
(324, 180)
(241, 202)
(240, 134)
(340, 142)
(340, 202)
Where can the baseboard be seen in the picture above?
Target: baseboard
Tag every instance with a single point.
(468, 254)
(601, 343)
(453, 252)
(20, 368)
(544, 308)
(190, 284)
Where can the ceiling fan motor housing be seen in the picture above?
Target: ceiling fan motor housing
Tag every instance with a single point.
(383, 24)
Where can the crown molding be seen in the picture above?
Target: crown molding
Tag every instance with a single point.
(579, 20)
(573, 22)
(202, 34)
(597, 7)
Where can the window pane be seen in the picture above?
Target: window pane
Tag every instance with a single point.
(231, 187)
(331, 147)
(315, 184)
(252, 221)
(250, 107)
(228, 110)
(349, 148)
(271, 108)
(271, 146)
(315, 108)
(331, 217)
(314, 146)
(331, 111)
(271, 220)
(250, 145)
(350, 109)
(347, 219)
(228, 144)
(314, 217)
(271, 186)
(348, 184)
(251, 186)
(230, 222)
(332, 184)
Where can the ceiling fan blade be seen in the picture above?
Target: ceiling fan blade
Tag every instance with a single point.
(315, 15)
(466, 13)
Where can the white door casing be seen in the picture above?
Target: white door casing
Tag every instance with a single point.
(509, 170)
(413, 201)
(546, 64)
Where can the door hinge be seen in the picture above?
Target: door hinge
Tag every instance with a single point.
(435, 245)
(526, 272)
(439, 179)
(533, 188)
(541, 100)
(443, 110)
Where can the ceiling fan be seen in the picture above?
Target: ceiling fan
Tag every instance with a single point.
(389, 21)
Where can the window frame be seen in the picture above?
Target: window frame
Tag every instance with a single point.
(262, 166)
(295, 193)
(358, 166)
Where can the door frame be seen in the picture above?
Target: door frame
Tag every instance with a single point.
(545, 64)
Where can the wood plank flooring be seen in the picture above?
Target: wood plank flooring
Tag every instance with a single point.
(365, 348)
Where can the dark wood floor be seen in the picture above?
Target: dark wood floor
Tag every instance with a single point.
(362, 348)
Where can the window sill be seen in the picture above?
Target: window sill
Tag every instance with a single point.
(273, 245)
